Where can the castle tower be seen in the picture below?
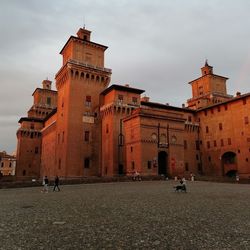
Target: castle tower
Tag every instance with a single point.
(79, 82)
(29, 135)
(208, 89)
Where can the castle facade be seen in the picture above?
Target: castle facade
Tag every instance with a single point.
(88, 128)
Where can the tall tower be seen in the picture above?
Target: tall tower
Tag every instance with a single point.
(29, 136)
(208, 89)
(79, 82)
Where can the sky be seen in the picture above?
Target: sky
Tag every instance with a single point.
(158, 46)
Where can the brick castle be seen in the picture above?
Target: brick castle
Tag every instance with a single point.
(88, 128)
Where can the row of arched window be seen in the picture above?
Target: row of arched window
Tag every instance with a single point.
(30, 134)
(82, 75)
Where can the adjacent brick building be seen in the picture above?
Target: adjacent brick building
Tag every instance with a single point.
(86, 128)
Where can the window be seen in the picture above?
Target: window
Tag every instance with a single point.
(134, 100)
(225, 107)
(2, 164)
(197, 157)
(212, 111)
(205, 113)
(86, 162)
(88, 101)
(49, 101)
(86, 136)
(208, 144)
(133, 165)
(131, 149)
(246, 159)
(244, 101)
(221, 142)
(120, 99)
(229, 141)
(36, 150)
(246, 120)
(218, 108)
(197, 145)
(186, 166)
(209, 158)
(58, 138)
(215, 143)
(32, 126)
(220, 126)
(149, 164)
(185, 144)
(59, 164)
(107, 128)
(189, 118)
(207, 129)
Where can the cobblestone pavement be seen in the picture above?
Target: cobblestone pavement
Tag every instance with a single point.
(128, 215)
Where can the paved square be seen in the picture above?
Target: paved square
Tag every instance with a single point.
(128, 215)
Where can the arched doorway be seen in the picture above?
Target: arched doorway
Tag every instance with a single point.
(162, 163)
(229, 164)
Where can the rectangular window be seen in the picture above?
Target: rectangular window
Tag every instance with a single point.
(59, 164)
(189, 118)
(207, 129)
(205, 113)
(212, 111)
(10, 165)
(131, 149)
(208, 144)
(58, 138)
(36, 150)
(185, 144)
(229, 141)
(86, 162)
(32, 126)
(218, 109)
(186, 166)
(49, 101)
(197, 157)
(221, 142)
(209, 158)
(107, 128)
(133, 165)
(86, 136)
(246, 120)
(244, 101)
(1, 164)
(225, 107)
(88, 101)
(197, 145)
(215, 143)
(149, 164)
(134, 100)
(220, 126)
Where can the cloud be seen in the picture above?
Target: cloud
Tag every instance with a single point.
(156, 45)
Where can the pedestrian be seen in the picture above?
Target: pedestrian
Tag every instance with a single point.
(56, 184)
(192, 176)
(237, 178)
(45, 184)
(184, 184)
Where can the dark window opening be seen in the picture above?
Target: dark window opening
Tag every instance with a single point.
(87, 163)
(86, 136)
(149, 164)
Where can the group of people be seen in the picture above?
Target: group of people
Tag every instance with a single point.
(46, 184)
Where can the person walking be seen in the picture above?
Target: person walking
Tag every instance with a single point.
(56, 184)
(45, 184)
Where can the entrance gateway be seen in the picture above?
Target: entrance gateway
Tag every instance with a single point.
(162, 163)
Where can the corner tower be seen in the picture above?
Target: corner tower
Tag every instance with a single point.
(79, 82)
(208, 89)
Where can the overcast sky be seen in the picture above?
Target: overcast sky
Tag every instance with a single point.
(158, 46)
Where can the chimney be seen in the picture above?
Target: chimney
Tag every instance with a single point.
(183, 105)
(238, 93)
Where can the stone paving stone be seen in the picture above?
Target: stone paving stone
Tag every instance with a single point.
(127, 215)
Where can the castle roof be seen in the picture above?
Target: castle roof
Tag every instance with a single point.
(122, 88)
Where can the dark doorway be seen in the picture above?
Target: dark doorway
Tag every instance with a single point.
(162, 163)
(229, 164)
(120, 170)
